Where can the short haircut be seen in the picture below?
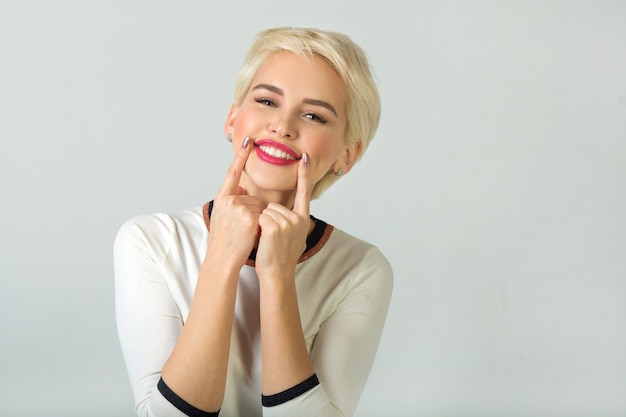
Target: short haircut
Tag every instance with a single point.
(344, 56)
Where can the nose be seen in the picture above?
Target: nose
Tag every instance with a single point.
(283, 127)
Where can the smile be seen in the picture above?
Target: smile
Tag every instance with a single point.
(275, 153)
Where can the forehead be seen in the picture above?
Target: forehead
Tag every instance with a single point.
(302, 77)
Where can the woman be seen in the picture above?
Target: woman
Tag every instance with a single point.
(249, 306)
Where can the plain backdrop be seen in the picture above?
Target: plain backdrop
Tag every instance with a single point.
(496, 186)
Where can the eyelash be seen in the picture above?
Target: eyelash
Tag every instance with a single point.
(310, 116)
(265, 101)
(315, 117)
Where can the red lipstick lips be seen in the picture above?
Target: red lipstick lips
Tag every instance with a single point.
(275, 153)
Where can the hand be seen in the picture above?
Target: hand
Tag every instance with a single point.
(235, 216)
(284, 231)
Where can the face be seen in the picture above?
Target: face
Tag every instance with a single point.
(294, 105)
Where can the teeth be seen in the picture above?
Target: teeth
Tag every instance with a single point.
(276, 153)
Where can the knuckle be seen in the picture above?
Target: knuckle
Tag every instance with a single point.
(228, 201)
(249, 222)
(270, 228)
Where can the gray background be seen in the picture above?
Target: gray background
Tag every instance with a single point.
(496, 186)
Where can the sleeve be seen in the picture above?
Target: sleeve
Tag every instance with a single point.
(346, 345)
(148, 320)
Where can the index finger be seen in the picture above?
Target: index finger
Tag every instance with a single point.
(304, 188)
(233, 174)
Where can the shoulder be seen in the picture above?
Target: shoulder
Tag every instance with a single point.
(358, 273)
(155, 231)
(362, 258)
(348, 244)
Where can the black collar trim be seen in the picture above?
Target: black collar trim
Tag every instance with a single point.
(314, 242)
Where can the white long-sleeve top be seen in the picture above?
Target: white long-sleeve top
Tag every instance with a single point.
(343, 285)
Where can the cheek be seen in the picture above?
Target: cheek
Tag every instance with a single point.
(243, 121)
(326, 147)
(317, 172)
(324, 153)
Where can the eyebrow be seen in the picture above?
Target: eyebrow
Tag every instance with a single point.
(312, 101)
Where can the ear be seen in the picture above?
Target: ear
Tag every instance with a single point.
(230, 119)
(348, 158)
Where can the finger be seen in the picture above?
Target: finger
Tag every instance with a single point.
(304, 188)
(233, 174)
(276, 218)
(279, 213)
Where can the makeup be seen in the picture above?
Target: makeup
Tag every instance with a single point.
(275, 153)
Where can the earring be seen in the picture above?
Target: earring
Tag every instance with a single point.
(229, 137)
(339, 172)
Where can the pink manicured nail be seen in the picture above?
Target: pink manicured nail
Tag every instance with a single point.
(244, 145)
(305, 159)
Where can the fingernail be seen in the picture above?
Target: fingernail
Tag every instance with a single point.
(305, 159)
(244, 145)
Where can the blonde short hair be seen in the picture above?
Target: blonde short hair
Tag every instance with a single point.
(347, 59)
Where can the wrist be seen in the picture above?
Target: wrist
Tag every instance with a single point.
(220, 269)
(276, 278)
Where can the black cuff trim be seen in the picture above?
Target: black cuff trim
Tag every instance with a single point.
(291, 393)
(181, 404)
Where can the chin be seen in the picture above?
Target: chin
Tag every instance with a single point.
(272, 180)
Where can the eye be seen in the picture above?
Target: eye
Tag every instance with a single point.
(315, 117)
(265, 101)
